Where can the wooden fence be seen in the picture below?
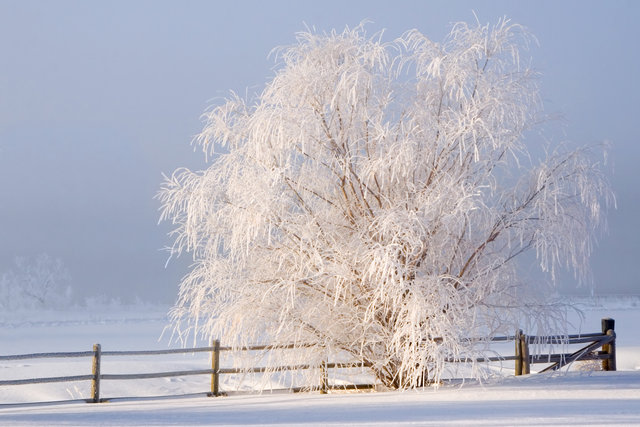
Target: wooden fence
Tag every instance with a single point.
(604, 340)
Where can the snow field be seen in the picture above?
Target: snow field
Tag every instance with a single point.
(575, 398)
(597, 398)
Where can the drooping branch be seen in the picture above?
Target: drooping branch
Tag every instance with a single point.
(365, 201)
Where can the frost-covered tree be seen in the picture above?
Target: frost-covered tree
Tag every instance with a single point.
(35, 283)
(373, 201)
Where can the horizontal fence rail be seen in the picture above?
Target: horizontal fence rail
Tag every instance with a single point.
(523, 360)
(47, 380)
(47, 355)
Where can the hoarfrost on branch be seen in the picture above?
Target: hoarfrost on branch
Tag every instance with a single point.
(375, 197)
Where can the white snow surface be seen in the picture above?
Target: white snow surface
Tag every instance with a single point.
(577, 397)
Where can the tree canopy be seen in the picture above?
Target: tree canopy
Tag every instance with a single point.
(374, 198)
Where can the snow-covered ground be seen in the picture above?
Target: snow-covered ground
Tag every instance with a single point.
(579, 397)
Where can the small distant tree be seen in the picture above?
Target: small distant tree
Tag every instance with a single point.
(35, 283)
(373, 201)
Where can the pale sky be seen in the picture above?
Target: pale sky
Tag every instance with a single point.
(99, 98)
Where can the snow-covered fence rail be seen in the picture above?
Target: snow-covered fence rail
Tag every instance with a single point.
(523, 359)
(605, 340)
(215, 371)
(51, 355)
(97, 376)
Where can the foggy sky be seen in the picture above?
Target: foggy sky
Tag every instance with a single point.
(98, 99)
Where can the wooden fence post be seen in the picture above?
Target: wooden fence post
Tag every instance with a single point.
(524, 355)
(215, 366)
(608, 328)
(324, 386)
(518, 353)
(95, 383)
